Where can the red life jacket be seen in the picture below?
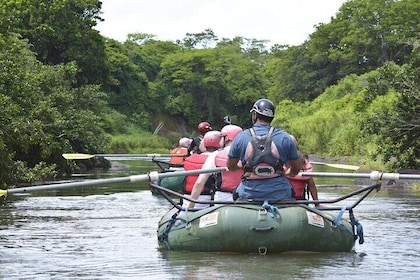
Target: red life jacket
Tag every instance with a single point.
(196, 161)
(229, 179)
(299, 182)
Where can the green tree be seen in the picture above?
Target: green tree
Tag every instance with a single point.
(292, 75)
(134, 65)
(207, 84)
(59, 32)
(204, 39)
(128, 85)
(361, 37)
(364, 35)
(44, 115)
(398, 126)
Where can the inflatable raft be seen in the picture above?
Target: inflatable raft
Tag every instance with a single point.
(253, 227)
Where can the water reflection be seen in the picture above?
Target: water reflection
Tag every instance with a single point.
(253, 266)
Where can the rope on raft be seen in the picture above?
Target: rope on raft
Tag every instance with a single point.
(164, 236)
(354, 223)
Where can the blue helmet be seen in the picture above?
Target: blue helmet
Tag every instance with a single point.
(264, 107)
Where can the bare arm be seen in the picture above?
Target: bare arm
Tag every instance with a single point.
(198, 187)
(295, 167)
(313, 190)
(232, 164)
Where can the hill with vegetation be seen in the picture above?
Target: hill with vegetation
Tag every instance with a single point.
(351, 89)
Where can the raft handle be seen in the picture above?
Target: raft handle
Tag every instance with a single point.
(262, 251)
(257, 229)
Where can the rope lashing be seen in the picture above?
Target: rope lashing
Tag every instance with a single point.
(353, 221)
(359, 228)
(164, 236)
(270, 208)
(183, 225)
(337, 222)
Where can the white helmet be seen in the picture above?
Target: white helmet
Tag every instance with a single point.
(184, 142)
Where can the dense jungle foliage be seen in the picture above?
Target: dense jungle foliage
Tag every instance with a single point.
(351, 89)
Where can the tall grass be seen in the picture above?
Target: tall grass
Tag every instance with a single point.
(331, 124)
(141, 142)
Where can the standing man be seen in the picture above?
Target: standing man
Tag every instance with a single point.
(263, 150)
(196, 147)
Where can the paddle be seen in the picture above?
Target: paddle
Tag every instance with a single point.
(152, 176)
(147, 156)
(337, 165)
(88, 156)
(374, 175)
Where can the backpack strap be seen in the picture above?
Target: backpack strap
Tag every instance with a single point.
(255, 168)
(270, 132)
(252, 131)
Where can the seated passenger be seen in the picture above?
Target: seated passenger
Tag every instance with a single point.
(182, 149)
(212, 142)
(226, 181)
(302, 183)
(262, 151)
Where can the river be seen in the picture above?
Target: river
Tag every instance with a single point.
(109, 232)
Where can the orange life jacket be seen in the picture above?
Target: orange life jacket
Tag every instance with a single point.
(178, 151)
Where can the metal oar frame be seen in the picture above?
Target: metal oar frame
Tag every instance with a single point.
(357, 229)
(365, 190)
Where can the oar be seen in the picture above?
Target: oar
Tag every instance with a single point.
(88, 156)
(374, 175)
(337, 165)
(152, 176)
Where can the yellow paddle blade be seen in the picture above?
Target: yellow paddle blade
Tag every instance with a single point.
(337, 165)
(343, 166)
(78, 156)
(3, 193)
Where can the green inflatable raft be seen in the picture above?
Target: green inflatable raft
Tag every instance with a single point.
(249, 228)
(256, 227)
(175, 183)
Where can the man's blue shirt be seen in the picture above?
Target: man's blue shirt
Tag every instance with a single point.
(271, 189)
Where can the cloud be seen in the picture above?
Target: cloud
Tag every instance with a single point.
(279, 21)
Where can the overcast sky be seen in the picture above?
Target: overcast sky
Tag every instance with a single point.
(279, 21)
